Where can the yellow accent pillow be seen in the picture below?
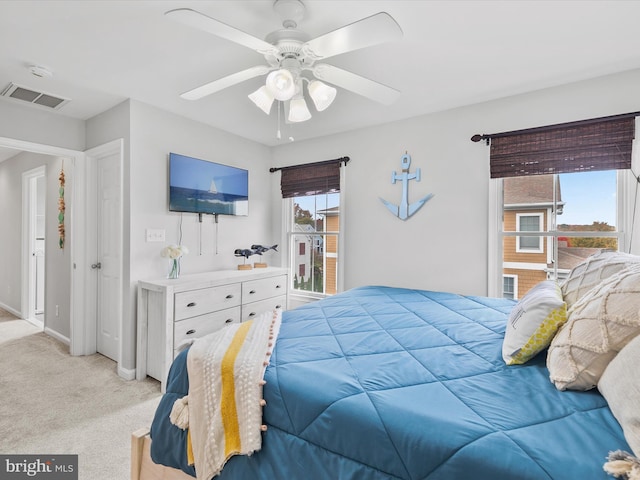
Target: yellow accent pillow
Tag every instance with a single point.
(533, 322)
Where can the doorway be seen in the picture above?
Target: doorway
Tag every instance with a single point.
(82, 247)
(33, 234)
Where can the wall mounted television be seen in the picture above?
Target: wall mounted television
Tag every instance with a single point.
(200, 186)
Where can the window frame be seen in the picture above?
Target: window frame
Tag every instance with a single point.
(625, 198)
(540, 247)
(288, 233)
(515, 284)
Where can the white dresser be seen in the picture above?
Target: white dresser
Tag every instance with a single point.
(173, 312)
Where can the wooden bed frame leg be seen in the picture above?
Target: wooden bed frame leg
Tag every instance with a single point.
(143, 468)
(137, 448)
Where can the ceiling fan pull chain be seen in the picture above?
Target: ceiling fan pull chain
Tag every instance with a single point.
(278, 134)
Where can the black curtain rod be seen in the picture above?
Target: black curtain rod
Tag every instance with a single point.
(342, 159)
(478, 137)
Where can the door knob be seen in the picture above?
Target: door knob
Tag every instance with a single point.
(96, 265)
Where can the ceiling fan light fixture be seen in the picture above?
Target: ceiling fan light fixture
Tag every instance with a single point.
(322, 94)
(281, 84)
(298, 110)
(263, 99)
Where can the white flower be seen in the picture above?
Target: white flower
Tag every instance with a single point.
(174, 251)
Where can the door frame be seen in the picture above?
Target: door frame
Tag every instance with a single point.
(27, 294)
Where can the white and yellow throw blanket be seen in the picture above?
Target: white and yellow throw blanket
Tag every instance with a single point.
(223, 410)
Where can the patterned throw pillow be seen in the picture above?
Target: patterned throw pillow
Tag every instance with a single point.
(533, 322)
(592, 271)
(600, 324)
(620, 385)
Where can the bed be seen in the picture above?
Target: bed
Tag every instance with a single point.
(393, 383)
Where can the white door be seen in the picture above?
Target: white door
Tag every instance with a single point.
(109, 255)
(33, 201)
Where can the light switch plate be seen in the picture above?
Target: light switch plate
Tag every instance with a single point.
(155, 235)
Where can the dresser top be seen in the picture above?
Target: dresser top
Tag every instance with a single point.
(210, 279)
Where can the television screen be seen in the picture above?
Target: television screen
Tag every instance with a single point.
(200, 186)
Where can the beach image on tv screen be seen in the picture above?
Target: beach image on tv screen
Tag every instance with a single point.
(200, 186)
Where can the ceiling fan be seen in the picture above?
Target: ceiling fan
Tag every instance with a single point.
(291, 59)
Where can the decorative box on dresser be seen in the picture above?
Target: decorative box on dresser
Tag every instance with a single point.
(173, 312)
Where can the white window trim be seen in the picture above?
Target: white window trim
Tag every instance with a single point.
(540, 248)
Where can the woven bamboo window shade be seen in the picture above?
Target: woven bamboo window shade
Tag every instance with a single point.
(310, 179)
(588, 145)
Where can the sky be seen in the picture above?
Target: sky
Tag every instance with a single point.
(588, 197)
(194, 173)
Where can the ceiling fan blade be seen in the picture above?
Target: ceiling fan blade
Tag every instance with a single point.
(355, 83)
(211, 25)
(373, 30)
(224, 82)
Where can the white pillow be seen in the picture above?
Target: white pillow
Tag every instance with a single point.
(592, 271)
(600, 324)
(533, 322)
(620, 385)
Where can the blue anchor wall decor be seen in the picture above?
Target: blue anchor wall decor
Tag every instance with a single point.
(405, 210)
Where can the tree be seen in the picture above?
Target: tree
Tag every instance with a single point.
(591, 242)
(302, 216)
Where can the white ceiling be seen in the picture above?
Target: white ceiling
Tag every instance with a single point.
(453, 53)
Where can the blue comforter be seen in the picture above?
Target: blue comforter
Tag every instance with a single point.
(390, 383)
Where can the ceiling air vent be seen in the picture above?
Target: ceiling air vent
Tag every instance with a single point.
(32, 96)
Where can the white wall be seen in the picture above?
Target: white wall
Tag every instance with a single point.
(444, 245)
(58, 265)
(38, 125)
(150, 135)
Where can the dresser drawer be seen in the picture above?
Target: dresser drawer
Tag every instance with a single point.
(205, 300)
(255, 290)
(202, 325)
(251, 310)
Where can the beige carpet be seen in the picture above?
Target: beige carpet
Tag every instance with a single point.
(53, 403)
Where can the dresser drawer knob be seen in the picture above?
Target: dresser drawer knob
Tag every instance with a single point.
(191, 332)
(252, 314)
(278, 286)
(229, 296)
(252, 291)
(278, 306)
(229, 320)
(192, 304)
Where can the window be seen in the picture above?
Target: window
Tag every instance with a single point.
(580, 170)
(570, 216)
(313, 193)
(314, 235)
(529, 222)
(509, 286)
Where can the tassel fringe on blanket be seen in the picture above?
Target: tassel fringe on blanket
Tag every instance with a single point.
(622, 465)
(223, 410)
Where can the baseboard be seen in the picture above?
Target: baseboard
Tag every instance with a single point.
(36, 323)
(10, 310)
(57, 336)
(127, 373)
